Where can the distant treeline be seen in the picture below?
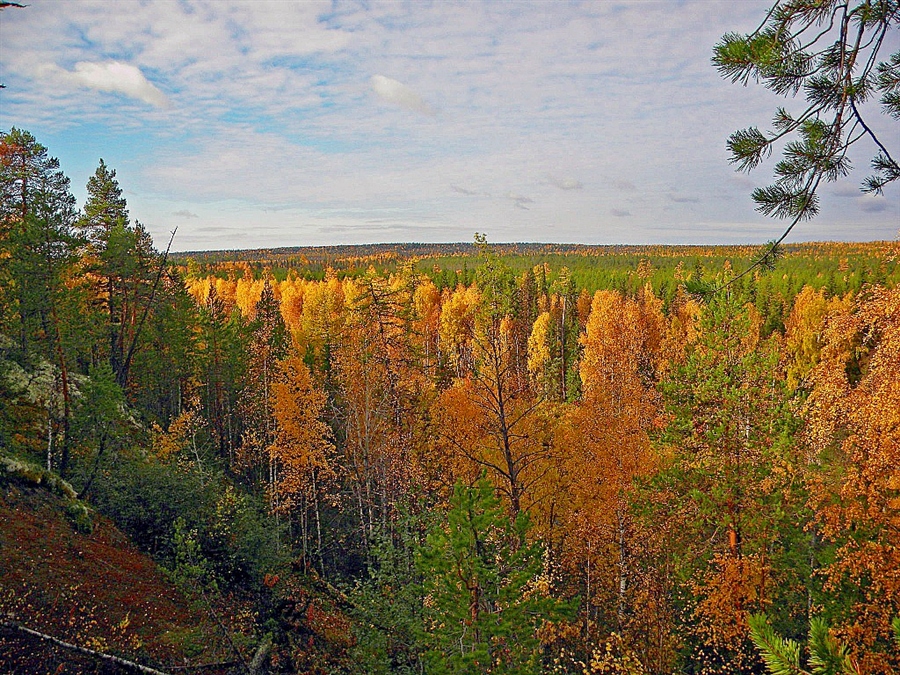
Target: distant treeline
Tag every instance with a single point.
(834, 267)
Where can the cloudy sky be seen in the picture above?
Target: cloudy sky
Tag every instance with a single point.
(279, 123)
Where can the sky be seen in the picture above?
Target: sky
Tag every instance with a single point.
(302, 123)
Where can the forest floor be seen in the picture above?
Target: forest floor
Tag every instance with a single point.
(94, 590)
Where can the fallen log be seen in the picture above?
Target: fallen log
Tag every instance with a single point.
(14, 625)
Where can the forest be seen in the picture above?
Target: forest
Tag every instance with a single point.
(467, 458)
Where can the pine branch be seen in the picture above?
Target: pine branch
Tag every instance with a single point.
(826, 655)
(781, 656)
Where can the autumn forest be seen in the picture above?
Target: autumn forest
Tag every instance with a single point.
(467, 458)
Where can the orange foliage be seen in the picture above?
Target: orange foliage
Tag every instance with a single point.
(380, 392)
(854, 421)
(226, 292)
(321, 317)
(609, 445)
(539, 350)
(622, 352)
(199, 289)
(426, 324)
(457, 326)
(247, 294)
(482, 426)
(291, 297)
(302, 444)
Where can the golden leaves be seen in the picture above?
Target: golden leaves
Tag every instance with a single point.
(803, 332)
(539, 345)
(302, 440)
(853, 415)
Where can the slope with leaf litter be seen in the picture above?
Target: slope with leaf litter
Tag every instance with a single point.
(94, 590)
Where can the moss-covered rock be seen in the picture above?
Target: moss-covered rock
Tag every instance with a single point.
(14, 470)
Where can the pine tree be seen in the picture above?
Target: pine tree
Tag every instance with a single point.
(486, 593)
(830, 51)
(37, 253)
(120, 255)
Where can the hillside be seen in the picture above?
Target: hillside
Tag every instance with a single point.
(93, 589)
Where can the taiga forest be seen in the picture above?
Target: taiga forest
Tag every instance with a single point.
(465, 457)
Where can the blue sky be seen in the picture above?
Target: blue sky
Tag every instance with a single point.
(276, 123)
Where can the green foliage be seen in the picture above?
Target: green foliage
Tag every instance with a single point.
(826, 655)
(32, 474)
(145, 498)
(14, 470)
(101, 406)
(105, 208)
(782, 656)
(222, 364)
(101, 424)
(162, 370)
(239, 536)
(389, 611)
(125, 271)
(730, 514)
(830, 52)
(496, 281)
(486, 595)
(190, 569)
(80, 516)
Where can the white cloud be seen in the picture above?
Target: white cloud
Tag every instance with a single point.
(399, 94)
(565, 183)
(122, 78)
(273, 107)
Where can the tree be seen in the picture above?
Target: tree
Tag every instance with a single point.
(299, 453)
(223, 364)
(37, 212)
(622, 352)
(457, 326)
(426, 324)
(490, 418)
(486, 596)
(128, 269)
(723, 503)
(379, 396)
(830, 50)
(161, 374)
(388, 602)
(803, 332)
(100, 420)
(37, 252)
(266, 346)
(853, 416)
